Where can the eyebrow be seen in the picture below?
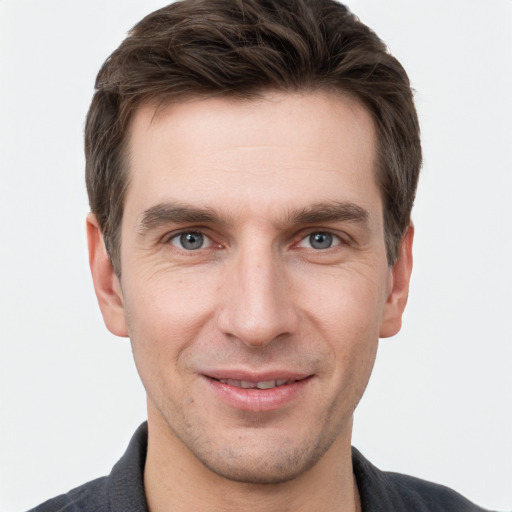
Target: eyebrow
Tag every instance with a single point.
(343, 211)
(167, 213)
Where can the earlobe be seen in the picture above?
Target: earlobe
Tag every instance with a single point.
(106, 283)
(399, 289)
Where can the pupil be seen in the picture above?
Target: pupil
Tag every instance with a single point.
(191, 240)
(320, 240)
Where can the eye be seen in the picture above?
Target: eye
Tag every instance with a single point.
(190, 241)
(319, 240)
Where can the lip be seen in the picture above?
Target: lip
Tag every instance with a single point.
(256, 400)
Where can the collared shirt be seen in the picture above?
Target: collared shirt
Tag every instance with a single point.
(123, 489)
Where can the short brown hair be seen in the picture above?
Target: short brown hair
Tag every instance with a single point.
(242, 48)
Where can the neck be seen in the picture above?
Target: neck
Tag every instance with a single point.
(176, 481)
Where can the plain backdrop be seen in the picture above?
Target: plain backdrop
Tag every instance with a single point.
(439, 405)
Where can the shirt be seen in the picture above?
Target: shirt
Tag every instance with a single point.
(123, 489)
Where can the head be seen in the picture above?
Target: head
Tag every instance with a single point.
(243, 49)
(251, 168)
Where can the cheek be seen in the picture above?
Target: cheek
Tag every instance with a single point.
(347, 303)
(164, 315)
(345, 309)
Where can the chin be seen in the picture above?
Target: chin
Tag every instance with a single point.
(257, 473)
(275, 465)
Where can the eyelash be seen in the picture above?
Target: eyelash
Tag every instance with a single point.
(195, 232)
(336, 240)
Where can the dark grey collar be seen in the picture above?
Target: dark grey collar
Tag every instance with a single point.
(379, 491)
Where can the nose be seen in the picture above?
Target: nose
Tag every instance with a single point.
(257, 306)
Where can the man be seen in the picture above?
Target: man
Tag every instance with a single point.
(251, 169)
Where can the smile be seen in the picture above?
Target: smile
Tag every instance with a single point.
(258, 393)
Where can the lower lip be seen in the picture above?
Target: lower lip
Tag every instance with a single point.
(258, 400)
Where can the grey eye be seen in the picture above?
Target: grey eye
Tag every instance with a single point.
(190, 241)
(320, 240)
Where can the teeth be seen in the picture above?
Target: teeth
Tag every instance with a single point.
(266, 384)
(245, 384)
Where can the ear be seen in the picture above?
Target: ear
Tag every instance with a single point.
(399, 287)
(106, 284)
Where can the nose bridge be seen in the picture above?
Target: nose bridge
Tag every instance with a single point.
(256, 307)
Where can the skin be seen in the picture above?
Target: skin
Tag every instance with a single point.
(254, 179)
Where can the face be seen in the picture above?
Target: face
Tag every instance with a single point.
(254, 277)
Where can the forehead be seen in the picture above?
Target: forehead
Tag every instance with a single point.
(273, 152)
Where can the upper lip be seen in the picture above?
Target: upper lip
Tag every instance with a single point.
(255, 376)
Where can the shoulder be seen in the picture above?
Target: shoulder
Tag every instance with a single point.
(428, 496)
(121, 491)
(89, 497)
(383, 491)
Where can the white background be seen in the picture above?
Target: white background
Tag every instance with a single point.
(439, 405)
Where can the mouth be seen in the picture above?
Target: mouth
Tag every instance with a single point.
(258, 393)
